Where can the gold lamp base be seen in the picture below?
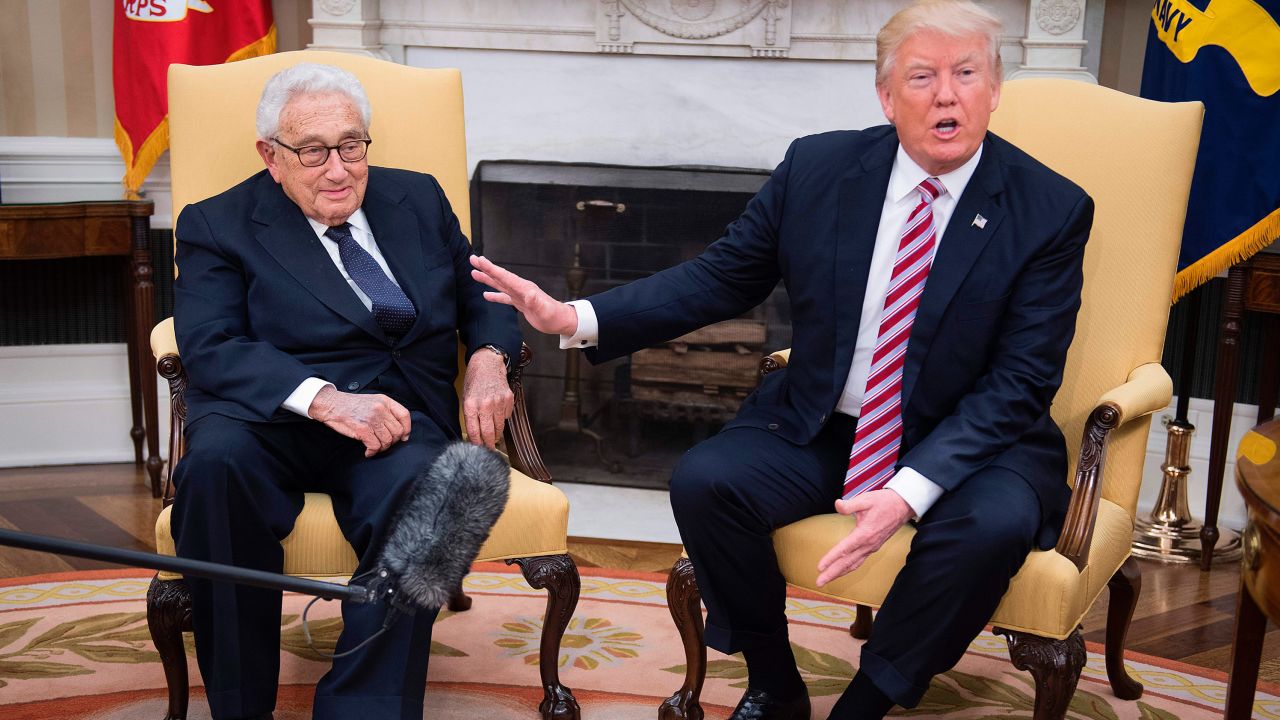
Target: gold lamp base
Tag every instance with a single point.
(1181, 544)
(1171, 535)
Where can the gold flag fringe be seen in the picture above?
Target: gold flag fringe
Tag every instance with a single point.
(138, 166)
(1239, 248)
(264, 45)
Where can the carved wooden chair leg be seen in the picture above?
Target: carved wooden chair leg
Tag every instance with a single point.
(559, 577)
(1055, 665)
(685, 603)
(460, 602)
(861, 627)
(1124, 588)
(168, 614)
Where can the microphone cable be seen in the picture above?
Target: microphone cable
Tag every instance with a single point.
(394, 611)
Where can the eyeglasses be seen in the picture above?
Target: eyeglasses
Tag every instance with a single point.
(317, 155)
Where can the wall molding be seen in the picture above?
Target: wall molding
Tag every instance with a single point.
(70, 407)
(66, 169)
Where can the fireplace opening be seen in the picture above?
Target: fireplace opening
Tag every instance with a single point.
(577, 229)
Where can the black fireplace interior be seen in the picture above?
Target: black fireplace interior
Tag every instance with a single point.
(623, 223)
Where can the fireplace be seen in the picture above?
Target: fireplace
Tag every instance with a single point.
(578, 229)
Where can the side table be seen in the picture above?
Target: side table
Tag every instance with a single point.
(1252, 285)
(1258, 476)
(81, 229)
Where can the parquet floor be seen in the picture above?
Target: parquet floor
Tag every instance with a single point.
(1182, 614)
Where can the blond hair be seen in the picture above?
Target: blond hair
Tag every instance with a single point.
(953, 18)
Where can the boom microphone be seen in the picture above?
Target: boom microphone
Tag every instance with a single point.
(446, 516)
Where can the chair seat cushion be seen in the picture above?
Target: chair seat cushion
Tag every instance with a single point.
(1048, 596)
(535, 522)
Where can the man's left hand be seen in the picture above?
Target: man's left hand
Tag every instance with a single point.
(879, 513)
(487, 400)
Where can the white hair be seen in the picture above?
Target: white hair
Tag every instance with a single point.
(307, 79)
(953, 18)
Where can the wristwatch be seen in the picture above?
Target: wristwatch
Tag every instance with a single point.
(506, 359)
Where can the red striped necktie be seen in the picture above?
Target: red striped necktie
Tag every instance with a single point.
(879, 433)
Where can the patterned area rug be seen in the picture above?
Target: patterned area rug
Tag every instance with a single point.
(76, 646)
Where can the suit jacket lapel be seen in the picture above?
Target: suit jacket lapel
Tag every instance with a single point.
(959, 248)
(861, 200)
(396, 231)
(286, 234)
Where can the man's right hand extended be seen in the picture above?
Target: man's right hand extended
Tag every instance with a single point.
(544, 313)
(375, 420)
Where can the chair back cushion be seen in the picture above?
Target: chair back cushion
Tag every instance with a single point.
(417, 122)
(1135, 158)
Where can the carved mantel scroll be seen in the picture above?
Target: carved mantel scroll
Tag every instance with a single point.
(756, 28)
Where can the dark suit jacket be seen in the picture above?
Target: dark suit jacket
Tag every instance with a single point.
(990, 337)
(259, 305)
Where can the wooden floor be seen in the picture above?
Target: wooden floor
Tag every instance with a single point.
(1183, 614)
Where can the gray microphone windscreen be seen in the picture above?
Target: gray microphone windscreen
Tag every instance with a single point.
(445, 518)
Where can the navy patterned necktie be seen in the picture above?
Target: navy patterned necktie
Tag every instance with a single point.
(392, 309)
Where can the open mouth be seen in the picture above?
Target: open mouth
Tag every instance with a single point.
(946, 128)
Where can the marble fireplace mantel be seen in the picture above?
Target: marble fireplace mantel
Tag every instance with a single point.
(1043, 37)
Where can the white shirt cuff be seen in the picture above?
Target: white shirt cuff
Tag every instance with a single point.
(919, 491)
(588, 332)
(299, 401)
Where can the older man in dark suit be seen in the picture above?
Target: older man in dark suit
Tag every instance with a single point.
(934, 273)
(318, 310)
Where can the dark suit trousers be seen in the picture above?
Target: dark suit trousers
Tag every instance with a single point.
(730, 492)
(239, 490)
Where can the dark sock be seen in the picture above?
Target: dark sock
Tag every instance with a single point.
(862, 700)
(773, 669)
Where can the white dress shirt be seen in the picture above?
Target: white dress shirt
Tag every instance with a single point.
(299, 401)
(900, 199)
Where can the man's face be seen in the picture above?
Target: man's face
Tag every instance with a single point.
(939, 94)
(333, 191)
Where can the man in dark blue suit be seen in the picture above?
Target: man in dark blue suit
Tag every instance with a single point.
(318, 312)
(934, 274)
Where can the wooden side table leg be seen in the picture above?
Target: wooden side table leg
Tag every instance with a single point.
(1224, 398)
(131, 339)
(143, 305)
(1269, 372)
(1246, 653)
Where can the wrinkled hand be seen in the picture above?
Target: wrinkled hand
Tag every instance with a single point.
(880, 513)
(544, 313)
(375, 420)
(487, 399)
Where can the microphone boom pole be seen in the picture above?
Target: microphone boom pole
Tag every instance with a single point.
(199, 568)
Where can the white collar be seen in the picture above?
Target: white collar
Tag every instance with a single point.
(906, 175)
(357, 220)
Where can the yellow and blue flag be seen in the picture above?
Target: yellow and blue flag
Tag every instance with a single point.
(1226, 54)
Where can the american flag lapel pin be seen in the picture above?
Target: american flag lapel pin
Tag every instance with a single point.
(979, 221)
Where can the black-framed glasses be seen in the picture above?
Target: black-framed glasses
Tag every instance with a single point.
(317, 155)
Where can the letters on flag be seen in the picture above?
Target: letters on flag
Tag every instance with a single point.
(149, 35)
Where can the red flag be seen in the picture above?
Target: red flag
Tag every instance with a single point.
(151, 34)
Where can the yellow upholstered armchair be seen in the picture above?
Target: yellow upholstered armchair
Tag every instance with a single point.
(418, 124)
(1135, 158)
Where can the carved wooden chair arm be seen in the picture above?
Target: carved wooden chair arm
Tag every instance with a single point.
(1147, 390)
(774, 361)
(518, 434)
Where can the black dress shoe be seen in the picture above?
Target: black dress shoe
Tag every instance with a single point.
(760, 705)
